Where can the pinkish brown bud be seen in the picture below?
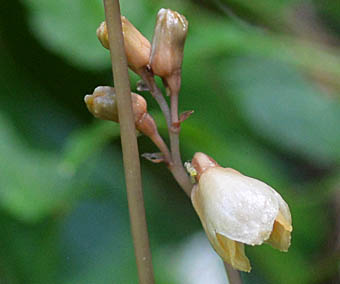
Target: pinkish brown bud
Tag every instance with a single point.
(147, 125)
(137, 47)
(139, 106)
(167, 46)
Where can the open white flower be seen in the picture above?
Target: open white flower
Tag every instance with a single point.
(235, 210)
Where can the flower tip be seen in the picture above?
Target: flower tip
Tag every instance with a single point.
(102, 103)
(201, 162)
(280, 237)
(233, 253)
(88, 100)
(162, 11)
(102, 35)
(139, 106)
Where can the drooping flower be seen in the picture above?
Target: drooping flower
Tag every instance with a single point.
(235, 210)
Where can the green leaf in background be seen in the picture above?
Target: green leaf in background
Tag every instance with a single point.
(69, 28)
(229, 150)
(33, 183)
(219, 37)
(94, 245)
(63, 208)
(29, 185)
(280, 105)
(28, 253)
(85, 142)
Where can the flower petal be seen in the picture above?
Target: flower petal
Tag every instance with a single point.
(241, 208)
(281, 234)
(232, 252)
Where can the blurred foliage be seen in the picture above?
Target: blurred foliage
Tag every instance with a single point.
(263, 78)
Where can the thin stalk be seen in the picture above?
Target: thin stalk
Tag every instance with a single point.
(149, 79)
(233, 275)
(129, 143)
(159, 142)
(177, 170)
(176, 166)
(174, 109)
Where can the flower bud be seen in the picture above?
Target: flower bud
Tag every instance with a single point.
(147, 125)
(167, 46)
(102, 35)
(235, 210)
(137, 47)
(102, 104)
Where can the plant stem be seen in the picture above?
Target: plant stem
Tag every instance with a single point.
(129, 143)
(233, 275)
(149, 79)
(159, 142)
(174, 110)
(176, 166)
(178, 169)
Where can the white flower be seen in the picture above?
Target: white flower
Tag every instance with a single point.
(235, 210)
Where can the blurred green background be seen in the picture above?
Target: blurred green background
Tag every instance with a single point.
(264, 80)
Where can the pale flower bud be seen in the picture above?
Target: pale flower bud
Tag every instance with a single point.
(103, 104)
(167, 46)
(137, 47)
(102, 35)
(235, 210)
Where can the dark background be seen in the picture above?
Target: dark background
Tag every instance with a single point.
(264, 80)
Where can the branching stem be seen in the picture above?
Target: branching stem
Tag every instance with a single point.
(171, 115)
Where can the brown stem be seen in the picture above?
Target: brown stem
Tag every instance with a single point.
(159, 142)
(149, 79)
(234, 276)
(176, 167)
(178, 170)
(129, 143)
(174, 112)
